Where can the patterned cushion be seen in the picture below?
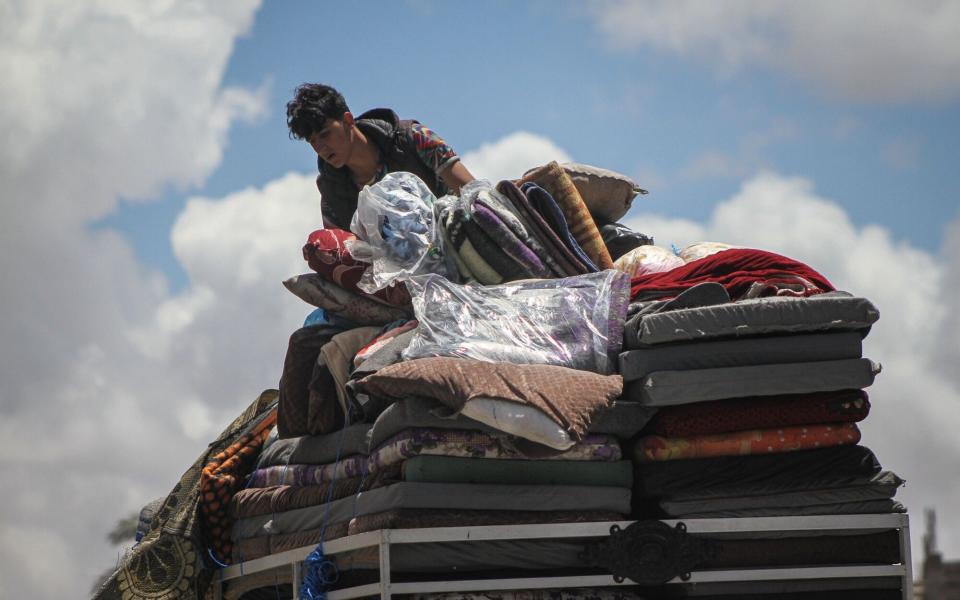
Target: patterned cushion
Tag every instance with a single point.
(327, 254)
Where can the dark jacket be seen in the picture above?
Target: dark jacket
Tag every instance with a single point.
(338, 192)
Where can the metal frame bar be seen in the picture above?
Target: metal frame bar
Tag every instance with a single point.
(384, 539)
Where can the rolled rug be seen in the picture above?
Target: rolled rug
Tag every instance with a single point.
(553, 215)
(555, 180)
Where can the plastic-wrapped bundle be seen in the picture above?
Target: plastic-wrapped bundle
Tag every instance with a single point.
(574, 322)
(396, 231)
(647, 259)
(700, 250)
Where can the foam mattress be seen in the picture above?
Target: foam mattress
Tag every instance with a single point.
(713, 354)
(761, 316)
(669, 388)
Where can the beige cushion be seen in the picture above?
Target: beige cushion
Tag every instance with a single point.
(607, 194)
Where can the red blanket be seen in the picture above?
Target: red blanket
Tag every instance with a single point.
(745, 273)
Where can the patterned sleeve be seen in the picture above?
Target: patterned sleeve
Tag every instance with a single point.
(432, 149)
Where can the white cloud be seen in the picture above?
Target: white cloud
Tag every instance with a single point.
(900, 51)
(510, 156)
(914, 419)
(102, 101)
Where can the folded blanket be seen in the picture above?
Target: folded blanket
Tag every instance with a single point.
(254, 501)
(428, 442)
(314, 289)
(462, 238)
(522, 228)
(555, 180)
(758, 441)
(501, 235)
(295, 382)
(567, 262)
(541, 200)
(765, 412)
(337, 358)
(386, 335)
(745, 273)
(223, 477)
(567, 396)
(490, 250)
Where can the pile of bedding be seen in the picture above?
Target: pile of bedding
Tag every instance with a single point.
(400, 427)
(758, 396)
(513, 355)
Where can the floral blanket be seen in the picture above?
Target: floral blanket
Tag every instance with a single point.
(435, 442)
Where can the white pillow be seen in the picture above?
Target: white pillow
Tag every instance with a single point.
(521, 420)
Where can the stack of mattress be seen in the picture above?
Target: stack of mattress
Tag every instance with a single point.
(409, 470)
(758, 402)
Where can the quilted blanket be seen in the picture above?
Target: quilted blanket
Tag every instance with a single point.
(428, 442)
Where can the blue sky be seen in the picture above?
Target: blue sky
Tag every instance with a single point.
(153, 203)
(546, 68)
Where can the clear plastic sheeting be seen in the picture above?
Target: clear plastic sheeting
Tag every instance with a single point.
(574, 322)
(396, 232)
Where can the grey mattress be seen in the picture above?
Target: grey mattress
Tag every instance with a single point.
(866, 507)
(880, 487)
(669, 388)
(316, 449)
(760, 316)
(464, 496)
(622, 419)
(712, 354)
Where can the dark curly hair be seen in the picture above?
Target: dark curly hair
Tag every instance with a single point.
(312, 105)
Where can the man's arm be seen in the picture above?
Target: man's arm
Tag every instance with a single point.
(455, 176)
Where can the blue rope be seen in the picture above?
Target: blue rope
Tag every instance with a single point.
(214, 558)
(319, 573)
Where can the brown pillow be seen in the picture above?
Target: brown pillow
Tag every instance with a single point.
(607, 194)
(568, 396)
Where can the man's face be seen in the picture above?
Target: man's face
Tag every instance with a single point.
(333, 143)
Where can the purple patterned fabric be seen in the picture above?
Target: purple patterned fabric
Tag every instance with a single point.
(419, 441)
(498, 231)
(553, 215)
(550, 240)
